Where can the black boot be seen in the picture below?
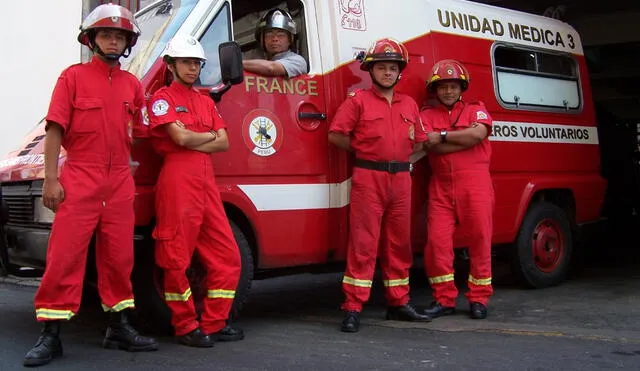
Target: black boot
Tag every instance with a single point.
(436, 310)
(406, 313)
(47, 347)
(477, 311)
(351, 322)
(228, 333)
(197, 339)
(121, 335)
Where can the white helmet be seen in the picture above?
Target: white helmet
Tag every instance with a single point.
(184, 47)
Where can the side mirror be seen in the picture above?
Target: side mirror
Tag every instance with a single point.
(230, 68)
(231, 63)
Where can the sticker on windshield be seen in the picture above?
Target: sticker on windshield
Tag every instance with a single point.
(160, 107)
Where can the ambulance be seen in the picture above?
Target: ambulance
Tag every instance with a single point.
(286, 189)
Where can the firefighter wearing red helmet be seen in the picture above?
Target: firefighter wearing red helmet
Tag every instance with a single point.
(186, 129)
(381, 127)
(460, 190)
(94, 113)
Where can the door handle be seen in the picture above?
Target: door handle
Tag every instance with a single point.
(312, 116)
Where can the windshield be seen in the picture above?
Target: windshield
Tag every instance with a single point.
(158, 24)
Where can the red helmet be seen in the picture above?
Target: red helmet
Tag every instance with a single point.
(449, 69)
(385, 50)
(109, 16)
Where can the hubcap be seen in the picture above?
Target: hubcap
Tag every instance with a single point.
(547, 244)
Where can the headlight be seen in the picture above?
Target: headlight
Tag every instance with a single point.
(40, 213)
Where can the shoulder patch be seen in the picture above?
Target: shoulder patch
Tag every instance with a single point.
(160, 107)
(354, 93)
(480, 115)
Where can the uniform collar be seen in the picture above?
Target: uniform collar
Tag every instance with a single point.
(377, 93)
(103, 66)
(457, 105)
(181, 88)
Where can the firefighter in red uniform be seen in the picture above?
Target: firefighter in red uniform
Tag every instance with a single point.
(94, 110)
(186, 129)
(460, 190)
(379, 126)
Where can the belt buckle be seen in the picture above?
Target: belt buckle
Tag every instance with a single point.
(392, 167)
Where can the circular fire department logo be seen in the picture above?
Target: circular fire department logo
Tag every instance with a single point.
(262, 133)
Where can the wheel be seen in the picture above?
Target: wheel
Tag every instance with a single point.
(543, 248)
(153, 313)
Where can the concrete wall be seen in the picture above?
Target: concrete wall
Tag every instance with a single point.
(39, 41)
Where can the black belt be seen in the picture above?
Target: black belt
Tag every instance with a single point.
(388, 166)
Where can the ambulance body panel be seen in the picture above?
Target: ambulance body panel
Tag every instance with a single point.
(287, 189)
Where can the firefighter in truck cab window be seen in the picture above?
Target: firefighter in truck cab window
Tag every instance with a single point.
(276, 34)
(379, 126)
(460, 190)
(186, 129)
(95, 109)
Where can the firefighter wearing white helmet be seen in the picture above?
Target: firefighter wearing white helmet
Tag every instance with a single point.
(109, 17)
(276, 34)
(95, 112)
(186, 128)
(185, 58)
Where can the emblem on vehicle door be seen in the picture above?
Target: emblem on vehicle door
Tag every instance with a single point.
(262, 132)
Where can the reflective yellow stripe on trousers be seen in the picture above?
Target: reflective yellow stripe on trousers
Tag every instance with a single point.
(441, 279)
(128, 303)
(396, 282)
(356, 282)
(480, 281)
(173, 296)
(54, 314)
(221, 294)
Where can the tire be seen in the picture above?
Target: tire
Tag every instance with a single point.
(543, 249)
(153, 313)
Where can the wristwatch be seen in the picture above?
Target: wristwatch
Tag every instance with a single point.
(443, 136)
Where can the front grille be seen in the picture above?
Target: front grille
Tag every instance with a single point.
(20, 209)
(19, 201)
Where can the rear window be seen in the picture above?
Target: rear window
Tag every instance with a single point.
(527, 78)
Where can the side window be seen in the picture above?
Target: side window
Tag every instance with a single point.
(532, 78)
(218, 32)
(247, 15)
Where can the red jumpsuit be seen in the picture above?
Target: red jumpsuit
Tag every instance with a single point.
(190, 214)
(99, 109)
(460, 196)
(380, 201)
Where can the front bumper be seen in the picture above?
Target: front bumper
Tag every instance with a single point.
(27, 246)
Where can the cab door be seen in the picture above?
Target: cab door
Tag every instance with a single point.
(277, 129)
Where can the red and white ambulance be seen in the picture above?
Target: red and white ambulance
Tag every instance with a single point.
(286, 190)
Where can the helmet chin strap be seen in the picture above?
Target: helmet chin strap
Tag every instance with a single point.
(376, 83)
(449, 106)
(178, 77)
(110, 56)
